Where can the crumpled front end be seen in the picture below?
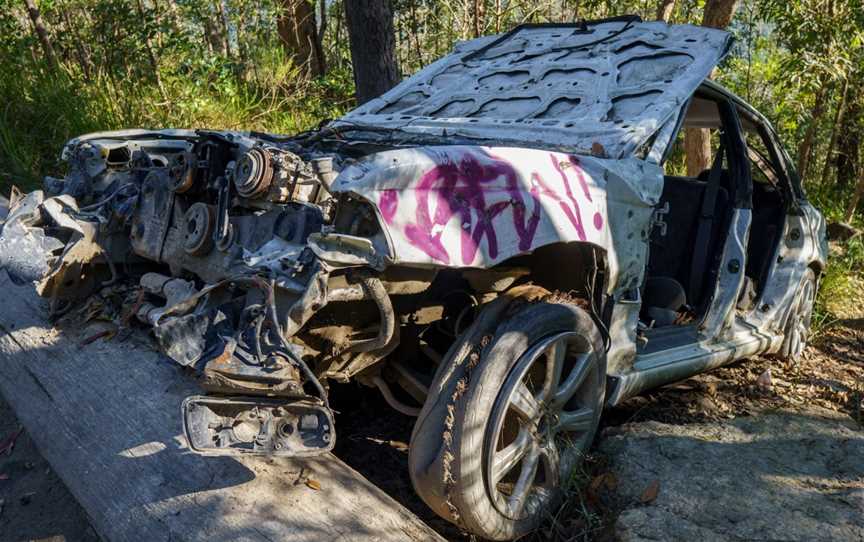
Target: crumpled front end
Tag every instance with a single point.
(272, 266)
(203, 237)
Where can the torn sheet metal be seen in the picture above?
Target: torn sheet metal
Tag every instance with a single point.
(556, 86)
(461, 206)
(26, 253)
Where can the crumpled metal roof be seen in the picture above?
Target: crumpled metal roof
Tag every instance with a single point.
(613, 83)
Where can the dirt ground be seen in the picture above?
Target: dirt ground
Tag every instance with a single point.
(37, 506)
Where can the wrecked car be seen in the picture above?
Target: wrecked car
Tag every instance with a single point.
(497, 245)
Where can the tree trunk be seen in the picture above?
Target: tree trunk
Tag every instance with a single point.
(832, 141)
(80, 51)
(370, 33)
(415, 30)
(299, 36)
(41, 33)
(478, 16)
(806, 145)
(319, 36)
(224, 36)
(849, 142)
(664, 10)
(697, 148)
(856, 196)
(151, 54)
(210, 37)
(719, 13)
(697, 141)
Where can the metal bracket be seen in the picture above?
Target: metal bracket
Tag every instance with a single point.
(657, 218)
(256, 426)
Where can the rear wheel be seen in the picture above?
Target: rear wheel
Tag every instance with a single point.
(517, 422)
(797, 329)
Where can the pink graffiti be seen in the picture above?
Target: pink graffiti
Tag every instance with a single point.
(598, 218)
(579, 175)
(598, 221)
(461, 190)
(388, 202)
(571, 212)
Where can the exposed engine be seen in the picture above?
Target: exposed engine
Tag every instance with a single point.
(230, 217)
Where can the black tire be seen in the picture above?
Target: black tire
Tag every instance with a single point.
(797, 328)
(478, 412)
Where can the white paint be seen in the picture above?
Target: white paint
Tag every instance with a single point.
(555, 86)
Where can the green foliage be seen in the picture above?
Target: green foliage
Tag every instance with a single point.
(221, 64)
(107, 79)
(841, 288)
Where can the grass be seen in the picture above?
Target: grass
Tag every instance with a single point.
(42, 110)
(841, 288)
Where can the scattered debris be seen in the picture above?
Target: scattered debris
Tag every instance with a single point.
(764, 381)
(313, 484)
(104, 334)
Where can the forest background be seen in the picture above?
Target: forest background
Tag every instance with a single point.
(75, 66)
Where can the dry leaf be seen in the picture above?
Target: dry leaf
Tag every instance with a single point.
(314, 484)
(650, 492)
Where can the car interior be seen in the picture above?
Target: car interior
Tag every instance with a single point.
(695, 211)
(694, 217)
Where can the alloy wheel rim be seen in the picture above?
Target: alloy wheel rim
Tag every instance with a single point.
(804, 315)
(540, 423)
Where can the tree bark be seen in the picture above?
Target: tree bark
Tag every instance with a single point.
(856, 196)
(299, 35)
(806, 146)
(849, 142)
(373, 44)
(151, 54)
(719, 13)
(478, 16)
(224, 36)
(319, 36)
(832, 141)
(41, 33)
(664, 10)
(697, 148)
(697, 141)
